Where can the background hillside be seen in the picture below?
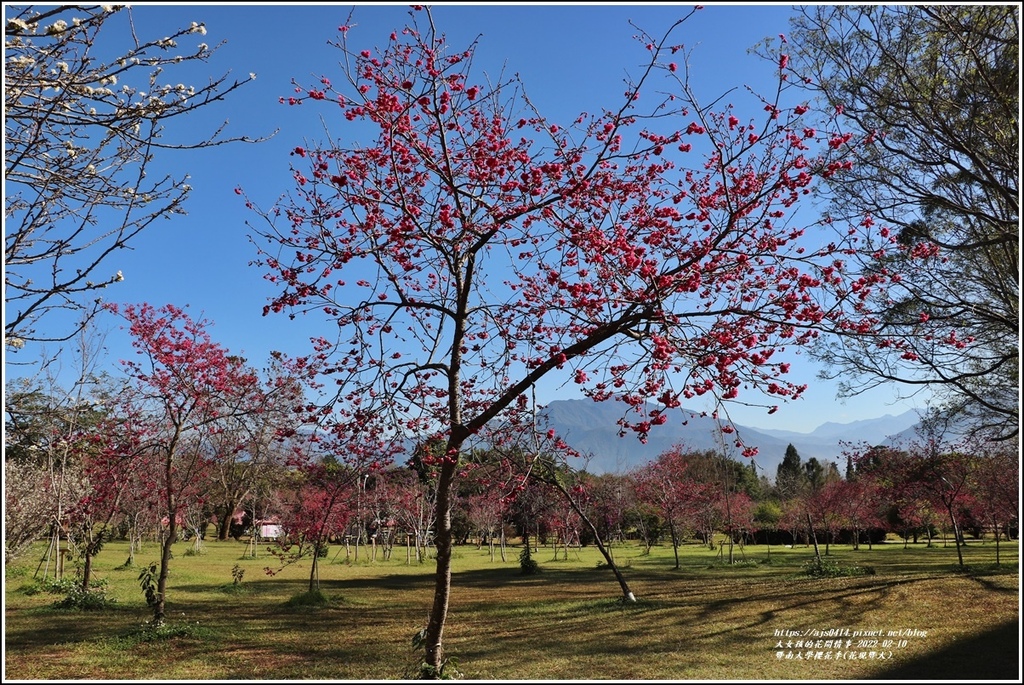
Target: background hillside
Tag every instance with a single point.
(591, 428)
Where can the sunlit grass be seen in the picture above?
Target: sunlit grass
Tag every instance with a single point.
(706, 620)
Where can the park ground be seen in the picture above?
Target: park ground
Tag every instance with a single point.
(900, 614)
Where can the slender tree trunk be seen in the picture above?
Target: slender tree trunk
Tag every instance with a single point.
(314, 576)
(997, 543)
(159, 608)
(87, 555)
(627, 594)
(956, 535)
(675, 541)
(443, 575)
(813, 536)
(132, 545)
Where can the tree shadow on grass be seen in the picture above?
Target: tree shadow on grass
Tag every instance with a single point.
(993, 655)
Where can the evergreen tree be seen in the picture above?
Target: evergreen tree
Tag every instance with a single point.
(789, 477)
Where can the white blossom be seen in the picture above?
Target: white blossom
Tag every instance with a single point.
(16, 25)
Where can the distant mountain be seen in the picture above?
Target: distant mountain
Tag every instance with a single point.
(873, 431)
(591, 428)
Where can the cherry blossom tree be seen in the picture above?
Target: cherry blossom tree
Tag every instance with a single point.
(861, 505)
(319, 509)
(825, 507)
(664, 483)
(110, 468)
(997, 490)
(250, 447)
(485, 512)
(476, 247)
(183, 388)
(414, 506)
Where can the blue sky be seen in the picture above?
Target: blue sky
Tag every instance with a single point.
(572, 58)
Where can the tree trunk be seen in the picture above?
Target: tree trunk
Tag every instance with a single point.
(225, 522)
(996, 525)
(675, 541)
(443, 575)
(314, 576)
(813, 536)
(956, 535)
(627, 594)
(159, 607)
(87, 554)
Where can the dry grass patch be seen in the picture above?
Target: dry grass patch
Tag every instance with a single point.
(705, 621)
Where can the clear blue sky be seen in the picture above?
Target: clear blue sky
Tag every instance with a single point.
(572, 58)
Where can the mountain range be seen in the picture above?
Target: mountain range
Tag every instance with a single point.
(591, 429)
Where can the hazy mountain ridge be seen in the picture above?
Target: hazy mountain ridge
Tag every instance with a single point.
(590, 428)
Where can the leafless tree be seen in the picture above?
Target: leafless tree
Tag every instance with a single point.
(86, 102)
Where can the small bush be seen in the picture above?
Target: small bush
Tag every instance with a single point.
(55, 586)
(168, 630)
(829, 568)
(233, 589)
(449, 666)
(311, 599)
(94, 599)
(746, 563)
(527, 564)
(15, 572)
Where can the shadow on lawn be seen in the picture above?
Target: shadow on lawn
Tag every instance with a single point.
(993, 655)
(68, 627)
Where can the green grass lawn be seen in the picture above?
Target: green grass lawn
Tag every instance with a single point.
(705, 621)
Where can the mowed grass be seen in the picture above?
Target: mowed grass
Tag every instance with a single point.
(705, 621)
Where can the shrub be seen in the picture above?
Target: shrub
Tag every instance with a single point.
(830, 568)
(167, 630)
(527, 564)
(313, 598)
(93, 599)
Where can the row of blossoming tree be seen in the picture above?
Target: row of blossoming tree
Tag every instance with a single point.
(123, 488)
